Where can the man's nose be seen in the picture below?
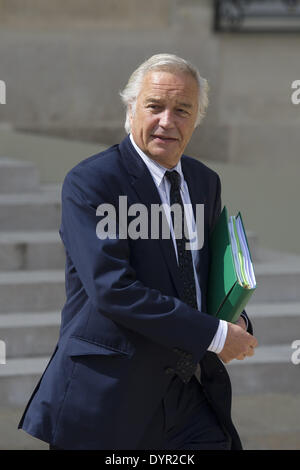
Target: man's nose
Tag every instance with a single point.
(166, 119)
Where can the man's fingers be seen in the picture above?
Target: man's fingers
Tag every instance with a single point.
(250, 352)
(241, 357)
(254, 342)
(238, 345)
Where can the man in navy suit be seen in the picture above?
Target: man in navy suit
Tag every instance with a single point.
(139, 362)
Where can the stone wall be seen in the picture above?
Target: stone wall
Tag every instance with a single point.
(72, 14)
(64, 64)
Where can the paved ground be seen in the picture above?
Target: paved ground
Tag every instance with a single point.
(12, 438)
(268, 421)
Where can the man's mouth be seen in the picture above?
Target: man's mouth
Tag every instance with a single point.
(164, 138)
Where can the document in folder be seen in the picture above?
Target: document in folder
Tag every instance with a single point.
(231, 278)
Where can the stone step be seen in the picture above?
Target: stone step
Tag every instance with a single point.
(40, 210)
(270, 370)
(42, 290)
(29, 334)
(18, 176)
(32, 291)
(35, 334)
(275, 323)
(31, 250)
(18, 377)
(277, 282)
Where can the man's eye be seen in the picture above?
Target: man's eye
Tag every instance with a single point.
(182, 111)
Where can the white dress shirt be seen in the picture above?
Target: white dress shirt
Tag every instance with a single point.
(162, 183)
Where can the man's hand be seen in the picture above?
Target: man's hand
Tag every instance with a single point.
(238, 344)
(241, 322)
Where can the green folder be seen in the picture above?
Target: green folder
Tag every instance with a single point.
(229, 292)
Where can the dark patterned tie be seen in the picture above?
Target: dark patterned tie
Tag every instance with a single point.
(185, 260)
(185, 368)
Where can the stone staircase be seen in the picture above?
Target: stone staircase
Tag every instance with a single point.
(31, 278)
(266, 388)
(275, 313)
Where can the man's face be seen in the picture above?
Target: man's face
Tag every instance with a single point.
(165, 115)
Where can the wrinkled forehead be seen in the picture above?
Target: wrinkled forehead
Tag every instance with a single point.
(165, 84)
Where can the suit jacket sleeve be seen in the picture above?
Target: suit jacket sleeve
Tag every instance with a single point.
(110, 281)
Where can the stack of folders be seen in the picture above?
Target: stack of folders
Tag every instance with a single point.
(231, 277)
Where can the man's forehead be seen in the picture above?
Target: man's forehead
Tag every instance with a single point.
(158, 83)
(179, 100)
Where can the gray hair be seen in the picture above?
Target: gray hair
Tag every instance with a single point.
(168, 62)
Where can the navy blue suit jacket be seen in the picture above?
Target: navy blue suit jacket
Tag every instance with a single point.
(123, 321)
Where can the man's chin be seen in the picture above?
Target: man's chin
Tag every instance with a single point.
(165, 158)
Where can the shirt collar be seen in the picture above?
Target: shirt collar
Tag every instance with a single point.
(157, 171)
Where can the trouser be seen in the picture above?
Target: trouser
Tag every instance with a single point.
(184, 420)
